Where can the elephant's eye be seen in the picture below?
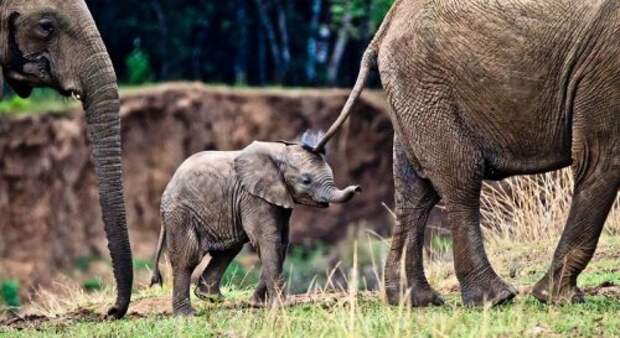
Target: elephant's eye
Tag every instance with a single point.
(45, 28)
(306, 179)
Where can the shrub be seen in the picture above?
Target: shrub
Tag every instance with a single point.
(9, 292)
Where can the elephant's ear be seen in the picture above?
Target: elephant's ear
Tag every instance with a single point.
(257, 169)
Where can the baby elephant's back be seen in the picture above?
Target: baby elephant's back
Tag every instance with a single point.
(201, 184)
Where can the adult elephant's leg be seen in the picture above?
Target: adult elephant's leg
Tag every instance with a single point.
(208, 287)
(596, 168)
(414, 199)
(430, 124)
(591, 204)
(480, 284)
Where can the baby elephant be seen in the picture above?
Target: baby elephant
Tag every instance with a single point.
(219, 200)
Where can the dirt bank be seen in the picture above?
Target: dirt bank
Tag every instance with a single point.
(49, 211)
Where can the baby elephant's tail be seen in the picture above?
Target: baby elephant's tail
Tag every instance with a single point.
(156, 277)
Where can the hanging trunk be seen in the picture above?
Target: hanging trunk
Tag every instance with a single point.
(101, 104)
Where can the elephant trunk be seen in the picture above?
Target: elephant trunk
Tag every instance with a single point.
(100, 97)
(342, 196)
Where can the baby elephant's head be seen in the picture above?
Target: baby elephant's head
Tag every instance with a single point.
(285, 173)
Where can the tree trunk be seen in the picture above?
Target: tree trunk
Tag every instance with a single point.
(163, 37)
(312, 44)
(263, 14)
(262, 58)
(241, 58)
(284, 48)
(339, 48)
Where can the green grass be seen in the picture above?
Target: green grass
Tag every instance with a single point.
(366, 316)
(353, 314)
(42, 100)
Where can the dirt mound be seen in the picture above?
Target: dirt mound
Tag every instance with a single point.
(49, 211)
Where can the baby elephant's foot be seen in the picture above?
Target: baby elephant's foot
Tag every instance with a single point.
(548, 292)
(184, 311)
(259, 297)
(211, 295)
(421, 297)
(494, 292)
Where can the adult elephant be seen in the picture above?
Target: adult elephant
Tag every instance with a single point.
(55, 43)
(486, 90)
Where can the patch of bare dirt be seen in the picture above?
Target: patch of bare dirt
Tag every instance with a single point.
(607, 289)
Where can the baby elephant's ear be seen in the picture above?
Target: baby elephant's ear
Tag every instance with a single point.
(257, 169)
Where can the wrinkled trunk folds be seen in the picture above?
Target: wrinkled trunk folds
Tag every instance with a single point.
(342, 196)
(101, 103)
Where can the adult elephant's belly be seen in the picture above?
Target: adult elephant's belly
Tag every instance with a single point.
(521, 127)
(509, 73)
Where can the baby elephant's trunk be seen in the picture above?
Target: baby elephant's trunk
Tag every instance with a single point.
(343, 196)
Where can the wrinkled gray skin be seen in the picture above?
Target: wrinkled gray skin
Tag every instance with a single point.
(55, 43)
(487, 90)
(217, 201)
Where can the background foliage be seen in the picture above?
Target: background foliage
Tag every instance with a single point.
(243, 42)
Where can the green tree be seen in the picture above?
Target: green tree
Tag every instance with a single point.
(138, 66)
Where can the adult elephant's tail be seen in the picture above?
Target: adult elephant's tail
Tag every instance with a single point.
(368, 61)
(156, 277)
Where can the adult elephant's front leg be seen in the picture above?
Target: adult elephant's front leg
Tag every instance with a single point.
(597, 181)
(414, 199)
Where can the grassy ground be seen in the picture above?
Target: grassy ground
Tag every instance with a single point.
(349, 313)
(527, 215)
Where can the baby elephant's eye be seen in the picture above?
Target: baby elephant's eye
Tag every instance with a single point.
(306, 179)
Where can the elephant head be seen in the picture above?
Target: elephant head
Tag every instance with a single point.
(55, 43)
(285, 173)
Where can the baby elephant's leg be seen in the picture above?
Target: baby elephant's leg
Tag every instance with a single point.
(260, 293)
(208, 288)
(184, 255)
(272, 259)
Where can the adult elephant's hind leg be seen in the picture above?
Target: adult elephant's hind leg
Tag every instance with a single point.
(208, 288)
(414, 200)
(459, 180)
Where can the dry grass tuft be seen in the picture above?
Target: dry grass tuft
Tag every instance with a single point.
(534, 208)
